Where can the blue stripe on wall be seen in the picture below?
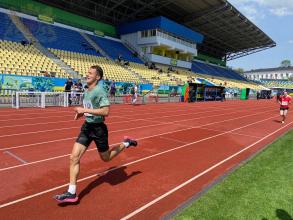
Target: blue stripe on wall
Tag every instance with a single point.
(163, 24)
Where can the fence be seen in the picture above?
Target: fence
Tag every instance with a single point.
(20, 99)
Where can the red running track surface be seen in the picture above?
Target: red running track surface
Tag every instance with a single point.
(182, 149)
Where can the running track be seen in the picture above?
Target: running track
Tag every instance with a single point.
(182, 149)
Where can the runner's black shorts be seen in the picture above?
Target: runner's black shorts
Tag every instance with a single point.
(97, 132)
(283, 109)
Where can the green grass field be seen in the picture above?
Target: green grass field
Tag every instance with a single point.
(262, 189)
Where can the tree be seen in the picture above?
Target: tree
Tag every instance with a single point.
(239, 70)
(286, 63)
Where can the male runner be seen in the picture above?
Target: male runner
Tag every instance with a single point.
(96, 107)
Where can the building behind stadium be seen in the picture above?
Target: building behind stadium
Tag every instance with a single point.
(280, 73)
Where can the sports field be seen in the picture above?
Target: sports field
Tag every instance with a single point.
(183, 149)
(260, 189)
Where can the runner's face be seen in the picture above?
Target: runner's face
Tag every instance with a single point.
(92, 76)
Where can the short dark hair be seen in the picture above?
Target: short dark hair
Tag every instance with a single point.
(99, 70)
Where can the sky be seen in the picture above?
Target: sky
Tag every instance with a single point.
(275, 18)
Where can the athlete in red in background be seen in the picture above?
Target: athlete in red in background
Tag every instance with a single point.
(284, 101)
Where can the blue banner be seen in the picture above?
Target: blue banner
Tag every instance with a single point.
(57, 84)
(144, 88)
(31, 83)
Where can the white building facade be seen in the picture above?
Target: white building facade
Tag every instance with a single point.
(281, 73)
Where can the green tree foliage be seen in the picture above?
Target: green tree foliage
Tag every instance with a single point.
(286, 63)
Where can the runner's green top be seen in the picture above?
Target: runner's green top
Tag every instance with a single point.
(95, 99)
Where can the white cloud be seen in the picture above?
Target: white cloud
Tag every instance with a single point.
(275, 7)
(281, 11)
(290, 41)
(250, 12)
(250, 9)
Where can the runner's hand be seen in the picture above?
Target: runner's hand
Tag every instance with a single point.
(79, 110)
(78, 115)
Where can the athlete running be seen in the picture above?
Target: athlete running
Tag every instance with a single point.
(284, 102)
(96, 108)
(134, 95)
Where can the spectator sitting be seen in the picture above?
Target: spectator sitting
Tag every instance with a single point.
(24, 42)
(46, 74)
(153, 66)
(120, 58)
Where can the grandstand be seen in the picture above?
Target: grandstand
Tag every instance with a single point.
(51, 36)
(25, 60)
(284, 84)
(82, 62)
(115, 49)
(8, 30)
(279, 73)
(272, 78)
(140, 40)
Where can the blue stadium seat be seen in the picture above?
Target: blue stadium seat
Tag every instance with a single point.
(8, 30)
(51, 36)
(216, 71)
(114, 49)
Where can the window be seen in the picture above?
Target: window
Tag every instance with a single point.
(144, 34)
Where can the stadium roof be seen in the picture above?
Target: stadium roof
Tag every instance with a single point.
(228, 33)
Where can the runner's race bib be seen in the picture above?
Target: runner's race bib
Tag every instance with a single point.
(88, 104)
(284, 103)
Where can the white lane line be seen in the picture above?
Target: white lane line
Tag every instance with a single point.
(135, 212)
(107, 123)
(137, 161)
(22, 119)
(72, 114)
(36, 113)
(247, 135)
(174, 140)
(42, 123)
(126, 129)
(63, 116)
(15, 156)
(68, 128)
(190, 127)
(139, 114)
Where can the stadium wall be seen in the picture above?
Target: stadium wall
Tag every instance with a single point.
(58, 15)
(209, 59)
